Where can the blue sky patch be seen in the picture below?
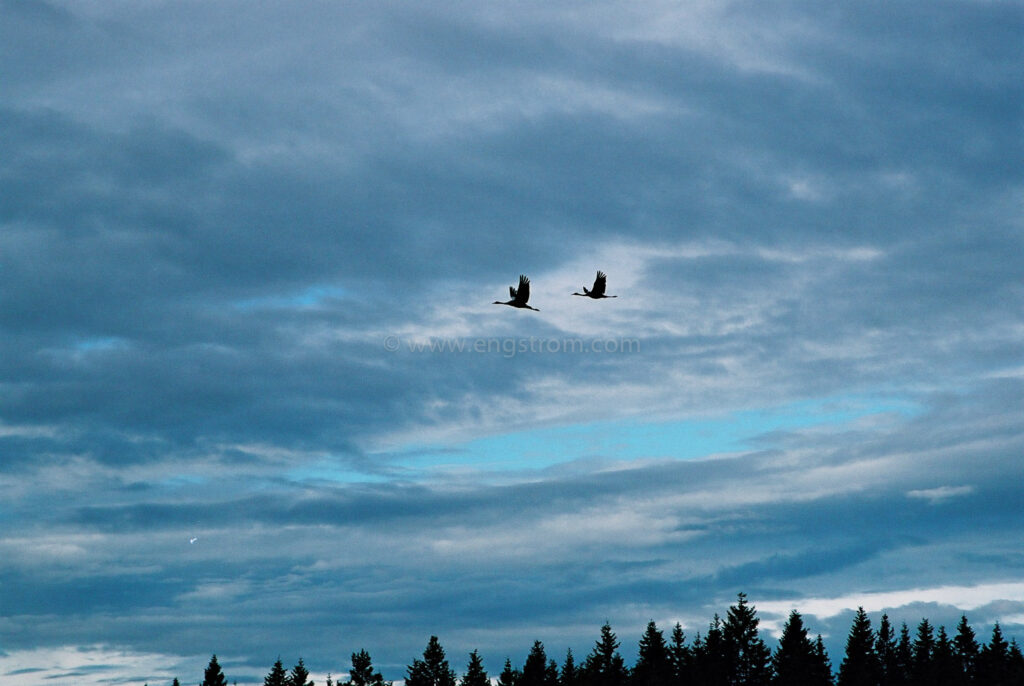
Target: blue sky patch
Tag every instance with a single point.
(638, 440)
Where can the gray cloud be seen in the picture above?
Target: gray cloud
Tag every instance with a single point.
(214, 216)
(534, 553)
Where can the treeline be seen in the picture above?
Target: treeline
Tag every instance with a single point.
(730, 653)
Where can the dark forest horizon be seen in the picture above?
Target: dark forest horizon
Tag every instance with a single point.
(730, 652)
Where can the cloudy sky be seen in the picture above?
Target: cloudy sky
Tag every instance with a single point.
(248, 254)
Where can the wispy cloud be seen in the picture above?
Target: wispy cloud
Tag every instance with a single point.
(962, 597)
(940, 494)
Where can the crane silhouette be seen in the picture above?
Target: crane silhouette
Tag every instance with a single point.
(519, 295)
(598, 290)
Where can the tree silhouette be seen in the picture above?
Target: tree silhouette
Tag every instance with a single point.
(278, 675)
(965, 650)
(213, 676)
(945, 667)
(711, 666)
(570, 674)
(904, 656)
(299, 675)
(1016, 663)
(653, 666)
(747, 654)
(680, 656)
(794, 659)
(860, 666)
(475, 673)
(362, 673)
(604, 665)
(921, 670)
(890, 673)
(994, 661)
(551, 674)
(508, 676)
(822, 667)
(535, 668)
(433, 669)
(730, 654)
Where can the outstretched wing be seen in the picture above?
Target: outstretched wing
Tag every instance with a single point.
(599, 284)
(523, 294)
(512, 291)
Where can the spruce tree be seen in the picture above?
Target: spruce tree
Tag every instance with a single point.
(860, 665)
(885, 648)
(604, 665)
(213, 676)
(904, 656)
(698, 658)
(278, 675)
(822, 666)
(299, 675)
(922, 666)
(653, 666)
(475, 673)
(748, 656)
(794, 660)
(535, 667)
(175, 682)
(551, 674)
(710, 662)
(994, 661)
(362, 673)
(570, 674)
(508, 676)
(945, 668)
(680, 656)
(1015, 666)
(965, 650)
(433, 669)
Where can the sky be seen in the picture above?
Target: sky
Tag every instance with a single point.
(255, 399)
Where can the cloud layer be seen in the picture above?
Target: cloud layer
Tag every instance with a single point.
(218, 217)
